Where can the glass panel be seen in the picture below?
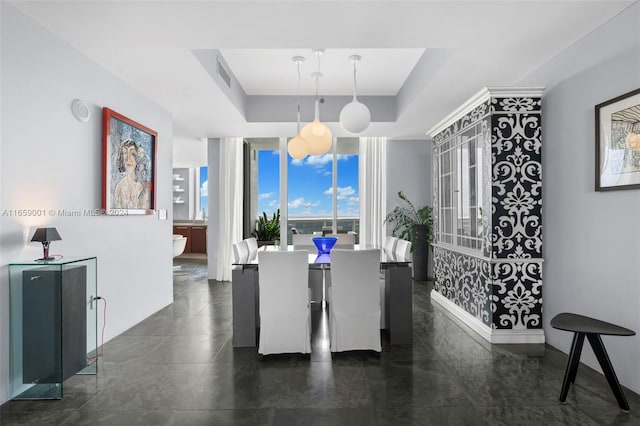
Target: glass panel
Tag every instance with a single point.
(310, 192)
(463, 190)
(459, 171)
(348, 219)
(446, 162)
(203, 193)
(53, 326)
(268, 185)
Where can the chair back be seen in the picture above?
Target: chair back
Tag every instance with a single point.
(354, 300)
(241, 252)
(252, 245)
(345, 241)
(403, 250)
(284, 302)
(390, 244)
(304, 242)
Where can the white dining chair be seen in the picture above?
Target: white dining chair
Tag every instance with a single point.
(285, 316)
(389, 249)
(241, 252)
(390, 244)
(304, 242)
(403, 250)
(252, 245)
(345, 241)
(354, 300)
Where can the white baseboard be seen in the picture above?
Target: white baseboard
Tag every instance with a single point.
(486, 332)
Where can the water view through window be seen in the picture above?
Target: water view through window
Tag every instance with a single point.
(310, 197)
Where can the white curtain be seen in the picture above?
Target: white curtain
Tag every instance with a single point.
(230, 193)
(373, 190)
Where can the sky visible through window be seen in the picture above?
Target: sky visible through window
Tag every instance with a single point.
(310, 185)
(204, 191)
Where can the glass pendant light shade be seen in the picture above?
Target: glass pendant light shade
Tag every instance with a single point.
(298, 147)
(319, 137)
(355, 117)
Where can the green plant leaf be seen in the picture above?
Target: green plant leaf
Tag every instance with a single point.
(404, 217)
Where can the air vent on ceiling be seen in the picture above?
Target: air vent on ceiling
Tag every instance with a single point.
(224, 75)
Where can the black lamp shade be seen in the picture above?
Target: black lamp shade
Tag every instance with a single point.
(46, 234)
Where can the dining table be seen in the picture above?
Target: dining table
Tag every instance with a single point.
(398, 290)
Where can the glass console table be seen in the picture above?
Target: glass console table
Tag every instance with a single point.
(53, 325)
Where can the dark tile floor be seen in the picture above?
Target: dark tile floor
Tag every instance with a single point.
(178, 367)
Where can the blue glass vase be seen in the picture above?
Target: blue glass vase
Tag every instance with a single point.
(324, 244)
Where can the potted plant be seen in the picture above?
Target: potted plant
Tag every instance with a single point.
(415, 225)
(267, 229)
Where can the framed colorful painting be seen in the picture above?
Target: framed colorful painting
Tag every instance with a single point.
(128, 165)
(618, 143)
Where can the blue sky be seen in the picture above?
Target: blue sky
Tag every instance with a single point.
(204, 188)
(310, 189)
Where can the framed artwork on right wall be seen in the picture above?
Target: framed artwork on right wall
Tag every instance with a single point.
(618, 143)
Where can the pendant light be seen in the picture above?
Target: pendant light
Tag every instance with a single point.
(298, 147)
(355, 116)
(317, 134)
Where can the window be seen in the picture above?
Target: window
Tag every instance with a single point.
(268, 181)
(310, 187)
(204, 192)
(460, 182)
(348, 197)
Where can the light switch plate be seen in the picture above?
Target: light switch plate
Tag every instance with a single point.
(162, 214)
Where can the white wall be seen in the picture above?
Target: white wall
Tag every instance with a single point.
(213, 227)
(414, 156)
(591, 239)
(50, 161)
(189, 152)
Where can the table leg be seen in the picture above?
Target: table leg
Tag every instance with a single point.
(245, 306)
(607, 368)
(399, 296)
(572, 365)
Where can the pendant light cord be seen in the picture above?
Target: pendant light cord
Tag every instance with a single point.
(354, 80)
(298, 98)
(318, 53)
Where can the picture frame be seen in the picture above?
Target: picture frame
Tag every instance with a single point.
(617, 128)
(128, 166)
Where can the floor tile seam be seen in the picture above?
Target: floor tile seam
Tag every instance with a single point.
(523, 405)
(150, 351)
(141, 357)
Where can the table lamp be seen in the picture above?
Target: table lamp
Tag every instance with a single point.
(45, 236)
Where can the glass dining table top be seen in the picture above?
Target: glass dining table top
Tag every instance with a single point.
(323, 260)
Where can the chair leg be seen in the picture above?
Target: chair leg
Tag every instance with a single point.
(572, 365)
(607, 368)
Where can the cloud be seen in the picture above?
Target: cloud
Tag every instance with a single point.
(318, 161)
(347, 211)
(204, 188)
(273, 204)
(301, 203)
(353, 201)
(296, 203)
(343, 192)
(266, 195)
